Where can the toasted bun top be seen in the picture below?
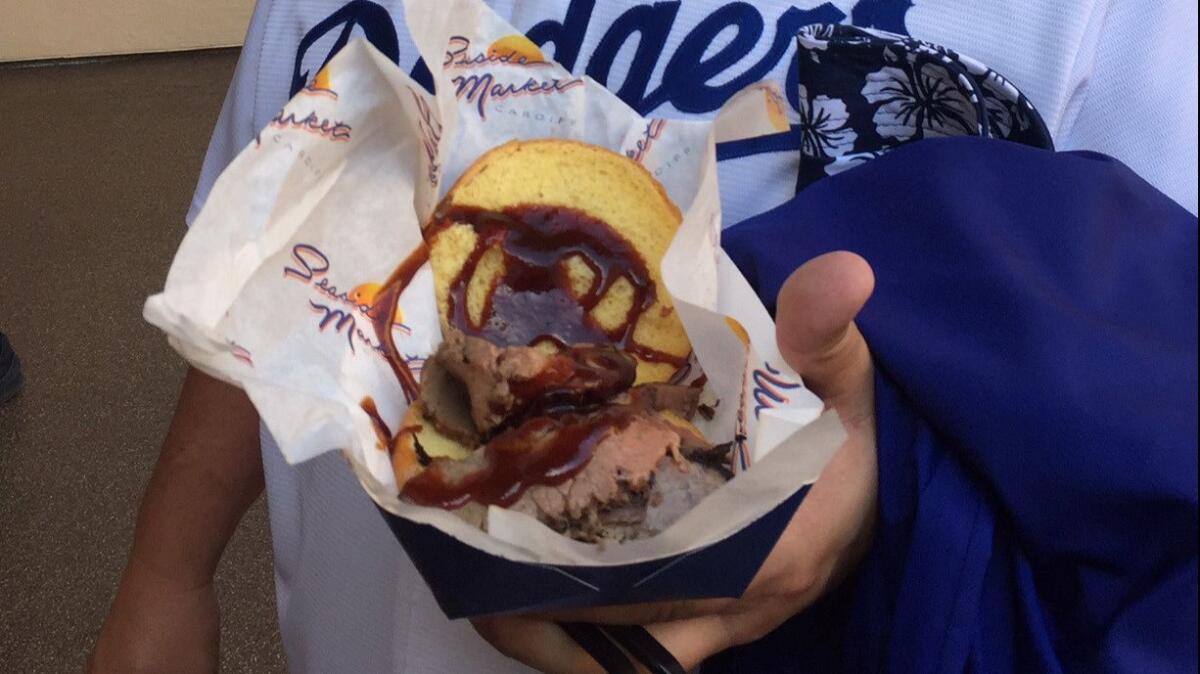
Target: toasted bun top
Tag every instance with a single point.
(595, 181)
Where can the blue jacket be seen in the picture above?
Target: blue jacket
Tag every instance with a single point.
(1034, 329)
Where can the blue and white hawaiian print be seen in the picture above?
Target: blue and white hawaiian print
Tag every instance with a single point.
(824, 126)
(863, 92)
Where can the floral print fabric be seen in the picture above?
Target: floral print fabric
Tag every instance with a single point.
(863, 92)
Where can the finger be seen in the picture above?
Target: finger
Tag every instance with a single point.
(547, 648)
(694, 640)
(642, 614)
(816, 333)
(829, 532)
(540, 644)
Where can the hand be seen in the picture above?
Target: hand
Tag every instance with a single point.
(158, 626)
(830, 530)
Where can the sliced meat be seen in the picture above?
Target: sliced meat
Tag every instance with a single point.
(608, 498)
(677, 489)
(608, 523)
(714, 457)
(681, 400)
(483, 370)
(565, 437)
(595, 452)
(624, 462)
(502, 384)
(621, 463)
(446, 404)
(674, 489)
(578, 378)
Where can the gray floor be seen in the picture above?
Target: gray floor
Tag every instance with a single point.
(97, 165)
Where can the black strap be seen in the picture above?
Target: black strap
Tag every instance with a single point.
(598, 645)
(643, 646)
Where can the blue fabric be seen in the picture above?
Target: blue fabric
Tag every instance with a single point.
(1034, 328)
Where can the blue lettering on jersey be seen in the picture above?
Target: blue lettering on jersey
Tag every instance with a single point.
(651, 24)
(882, 14)
(689, 73)
(376, 24)
(567, 35)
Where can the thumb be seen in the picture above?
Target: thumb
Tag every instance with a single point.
(816, 333)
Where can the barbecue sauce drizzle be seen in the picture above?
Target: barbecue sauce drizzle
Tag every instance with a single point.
(545, 450)
(389, 297)
(536, 302)
(381, 428)
(532, 301)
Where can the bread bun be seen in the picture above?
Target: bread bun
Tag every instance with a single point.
(602, 184)
(418, 441)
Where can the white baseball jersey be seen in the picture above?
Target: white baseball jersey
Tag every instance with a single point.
(1114, 76)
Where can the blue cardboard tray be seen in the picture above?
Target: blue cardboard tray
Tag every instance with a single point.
(468, 582)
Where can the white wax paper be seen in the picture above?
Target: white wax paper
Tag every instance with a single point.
(271, 287)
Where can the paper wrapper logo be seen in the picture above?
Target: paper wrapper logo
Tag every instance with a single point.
(516, 49)
(741, 450)
(483, 89)
(354, 313)
(513, 50)
(654, 130)
(431, 135)
(321, 85)
(776, 110)
(314, 123)
(366, 297)
(241, 353)
(769, 385)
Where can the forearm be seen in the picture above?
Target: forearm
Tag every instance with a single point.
(207, 476)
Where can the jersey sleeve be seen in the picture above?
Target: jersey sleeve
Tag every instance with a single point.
(235, 123)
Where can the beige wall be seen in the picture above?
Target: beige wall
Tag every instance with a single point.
(39, 29)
